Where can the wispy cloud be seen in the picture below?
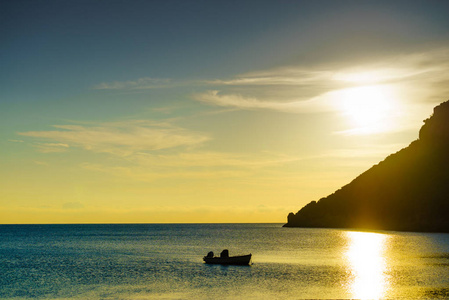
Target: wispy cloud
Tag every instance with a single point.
(214, 97)
(149, 151)
(151, 173)
(362, 152)
(213, 159)
(415, 68)
(249, 169)
(290, 89)
(401, 90)
(193, 165)
(141, 83)
(52, 147)
(119, 138)
(280, 76)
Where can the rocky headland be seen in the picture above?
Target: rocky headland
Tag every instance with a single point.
(408, 191)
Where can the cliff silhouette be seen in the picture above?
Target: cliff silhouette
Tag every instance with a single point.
(408, 191)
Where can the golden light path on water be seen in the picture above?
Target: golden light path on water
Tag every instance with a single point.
(366, 257)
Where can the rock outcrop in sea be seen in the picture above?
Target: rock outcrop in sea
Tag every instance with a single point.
(408, 191)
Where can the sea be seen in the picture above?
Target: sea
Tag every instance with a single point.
(164, 261)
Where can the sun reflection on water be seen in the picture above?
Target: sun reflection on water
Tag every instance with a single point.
(366, 257)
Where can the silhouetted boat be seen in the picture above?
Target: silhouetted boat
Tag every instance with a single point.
(225, 259)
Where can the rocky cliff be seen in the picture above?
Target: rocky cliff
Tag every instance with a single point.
(408, 191)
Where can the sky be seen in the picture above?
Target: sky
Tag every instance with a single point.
(206, 111)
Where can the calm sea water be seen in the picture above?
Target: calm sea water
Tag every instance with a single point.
(165, 261)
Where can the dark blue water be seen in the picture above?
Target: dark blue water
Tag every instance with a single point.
(165, 261)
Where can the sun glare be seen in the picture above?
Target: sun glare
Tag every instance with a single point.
(370, 109)
(366, 259)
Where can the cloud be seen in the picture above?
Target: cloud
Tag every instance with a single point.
(119, 138)
(148, 167)
(289, 89)
(52, 147)
(280, 76)
(141, 83)
(260, 169)
(150, 173)
(417, 68)
(137, 144)
(401, 89)
(214, 97)
(364, 152)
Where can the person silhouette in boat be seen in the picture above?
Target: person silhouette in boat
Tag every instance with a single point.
(225, 259)
(224, 253)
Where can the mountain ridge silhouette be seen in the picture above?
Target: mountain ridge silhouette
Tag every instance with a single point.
(407, 191)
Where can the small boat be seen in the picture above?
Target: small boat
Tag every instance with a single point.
(225, 259)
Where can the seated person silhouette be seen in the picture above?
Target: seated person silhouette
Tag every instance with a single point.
(224, 253)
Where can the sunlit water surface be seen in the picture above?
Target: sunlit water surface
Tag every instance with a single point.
(165, 261)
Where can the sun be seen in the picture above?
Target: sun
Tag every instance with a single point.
(370, 109)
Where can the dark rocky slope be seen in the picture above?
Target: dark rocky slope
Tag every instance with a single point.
(408, 191)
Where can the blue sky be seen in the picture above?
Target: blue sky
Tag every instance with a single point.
(203, 105)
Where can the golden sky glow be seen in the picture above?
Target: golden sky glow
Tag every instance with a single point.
(159, 114)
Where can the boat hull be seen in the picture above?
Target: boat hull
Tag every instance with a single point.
(232, 260)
